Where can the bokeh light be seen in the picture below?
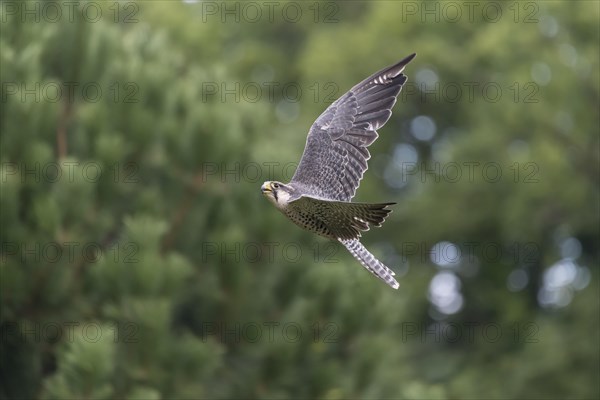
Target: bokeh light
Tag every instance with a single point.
(423, 128)
(444, 293)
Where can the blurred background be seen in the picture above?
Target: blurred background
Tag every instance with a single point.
(140, 260)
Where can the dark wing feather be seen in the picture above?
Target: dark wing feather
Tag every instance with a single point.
(335, 157)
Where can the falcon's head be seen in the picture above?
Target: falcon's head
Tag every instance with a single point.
(278, 193)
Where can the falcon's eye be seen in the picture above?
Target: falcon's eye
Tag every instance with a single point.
(276, 185)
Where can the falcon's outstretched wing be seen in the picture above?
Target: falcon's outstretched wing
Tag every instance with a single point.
(336, 154)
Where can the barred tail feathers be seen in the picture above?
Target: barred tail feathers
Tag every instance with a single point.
(369, 261)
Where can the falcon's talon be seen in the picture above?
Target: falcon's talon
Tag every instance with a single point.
(333, 163)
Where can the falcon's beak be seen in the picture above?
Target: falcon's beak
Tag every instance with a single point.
(266, 187)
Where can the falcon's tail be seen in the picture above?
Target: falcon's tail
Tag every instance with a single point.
(369, 261)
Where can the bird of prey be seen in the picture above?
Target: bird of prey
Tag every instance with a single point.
(333, 163)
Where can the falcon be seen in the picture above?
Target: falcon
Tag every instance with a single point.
(333, 163)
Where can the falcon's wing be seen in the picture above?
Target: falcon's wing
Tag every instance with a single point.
(336, 154)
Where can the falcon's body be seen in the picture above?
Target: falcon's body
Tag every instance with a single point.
(334, 160)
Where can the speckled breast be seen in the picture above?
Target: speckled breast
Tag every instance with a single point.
(307, 221)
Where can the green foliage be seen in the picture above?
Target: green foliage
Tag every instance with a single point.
(139, 260)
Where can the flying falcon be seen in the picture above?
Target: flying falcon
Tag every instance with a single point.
(334, 161)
